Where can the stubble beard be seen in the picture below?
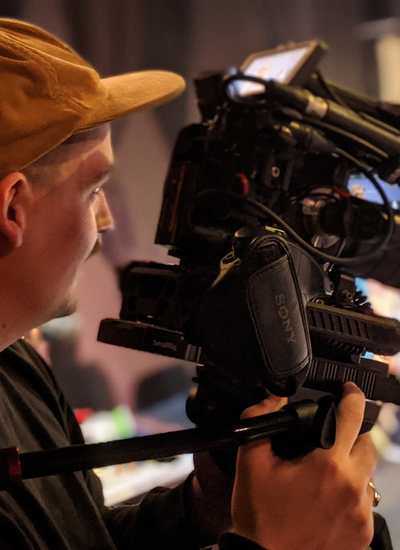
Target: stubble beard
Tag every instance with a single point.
(69, 304)
(68, 308)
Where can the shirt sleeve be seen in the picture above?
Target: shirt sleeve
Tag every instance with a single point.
(232, 541)
(162, 519)
(163, 516)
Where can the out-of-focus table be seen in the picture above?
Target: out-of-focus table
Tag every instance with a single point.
(128, 482)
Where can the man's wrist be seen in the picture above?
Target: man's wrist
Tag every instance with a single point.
(210, 514)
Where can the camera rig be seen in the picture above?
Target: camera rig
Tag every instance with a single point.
(257, 209)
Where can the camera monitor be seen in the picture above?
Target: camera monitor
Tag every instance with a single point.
(290, 64)
(361, 187)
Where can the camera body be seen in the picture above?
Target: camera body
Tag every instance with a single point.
(258, 210)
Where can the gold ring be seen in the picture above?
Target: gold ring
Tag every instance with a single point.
(377, 496)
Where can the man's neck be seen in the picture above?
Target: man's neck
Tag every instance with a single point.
(15, 318)
(9, 333)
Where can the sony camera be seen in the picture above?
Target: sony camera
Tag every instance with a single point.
(283, 193)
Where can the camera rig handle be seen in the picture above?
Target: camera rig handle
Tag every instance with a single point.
(308, 424)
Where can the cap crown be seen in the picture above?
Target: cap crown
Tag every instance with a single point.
(48, 92)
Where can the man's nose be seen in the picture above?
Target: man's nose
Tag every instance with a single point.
(104, 218)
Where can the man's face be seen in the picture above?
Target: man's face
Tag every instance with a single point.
(64, 226)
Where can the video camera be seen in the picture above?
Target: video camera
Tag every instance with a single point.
(274, 203)
(272, 206)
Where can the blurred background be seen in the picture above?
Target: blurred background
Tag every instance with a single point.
(190, 36)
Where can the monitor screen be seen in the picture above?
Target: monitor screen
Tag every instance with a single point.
(361, 187)
(277, 66)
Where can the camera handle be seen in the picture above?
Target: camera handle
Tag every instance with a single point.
(315, 421)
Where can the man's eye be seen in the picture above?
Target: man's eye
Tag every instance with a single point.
(96, 191)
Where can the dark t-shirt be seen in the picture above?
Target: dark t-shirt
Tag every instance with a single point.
(66, 511)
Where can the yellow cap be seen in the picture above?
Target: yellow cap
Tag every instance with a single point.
(48, 92)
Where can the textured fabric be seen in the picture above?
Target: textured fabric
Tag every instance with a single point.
(66, 512)
(381, 540)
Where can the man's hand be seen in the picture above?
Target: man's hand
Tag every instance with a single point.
(318, 502)
(211, 490)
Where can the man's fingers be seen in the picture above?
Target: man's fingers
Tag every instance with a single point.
(365, 454)
(269, 405)
(259, 451)
(350, 417)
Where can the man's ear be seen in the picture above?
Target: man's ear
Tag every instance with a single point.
(15, 195)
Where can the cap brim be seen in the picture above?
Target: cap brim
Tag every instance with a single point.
(134, 92)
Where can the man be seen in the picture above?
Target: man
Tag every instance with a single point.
(54, 158)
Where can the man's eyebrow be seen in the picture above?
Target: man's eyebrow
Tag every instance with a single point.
(102, 176)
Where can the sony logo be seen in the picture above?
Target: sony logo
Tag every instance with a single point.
(283, 313)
